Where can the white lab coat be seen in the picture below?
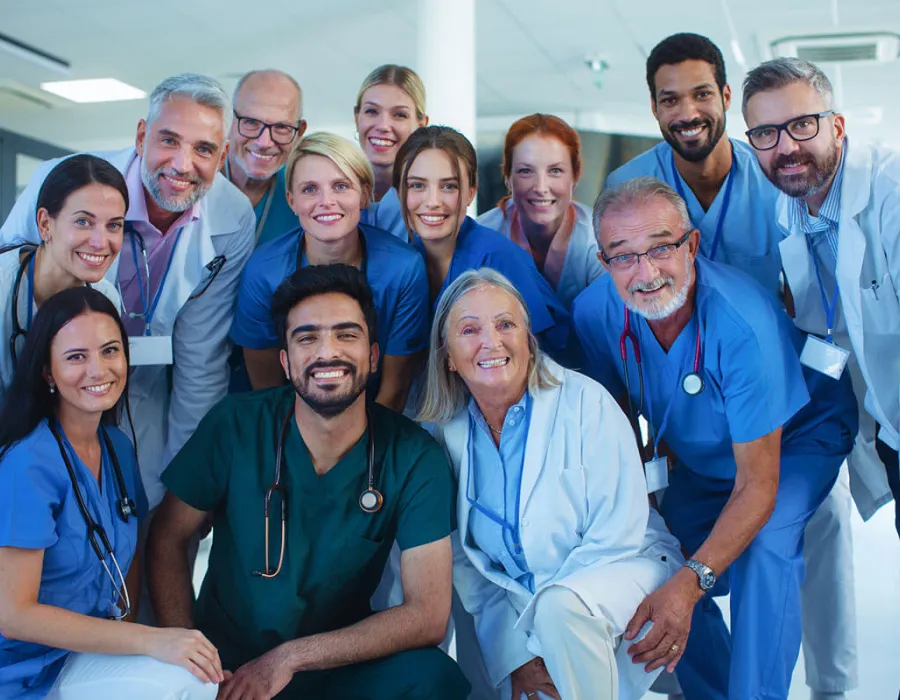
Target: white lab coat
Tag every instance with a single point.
(581, 266)
(868, 274)
(168, 402)
(584, 524)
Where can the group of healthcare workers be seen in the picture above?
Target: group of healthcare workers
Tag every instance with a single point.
(739, 300)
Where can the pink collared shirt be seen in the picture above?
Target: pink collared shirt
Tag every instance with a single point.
(159, 246)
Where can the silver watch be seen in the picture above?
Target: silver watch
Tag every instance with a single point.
(706, 576)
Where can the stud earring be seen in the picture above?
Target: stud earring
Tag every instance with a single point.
(52, 387)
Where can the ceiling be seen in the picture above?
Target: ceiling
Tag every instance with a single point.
(529, 56)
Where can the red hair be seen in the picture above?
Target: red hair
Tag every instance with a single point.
(545, 125)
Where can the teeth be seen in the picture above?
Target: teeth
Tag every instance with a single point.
(690, 133)
(177, 182)
(94, 259)
(487, 364)
(329, 375)
(261, 156)
(328, 218)
(431, 219)
(384, 143)
(99, 388)
(542, 202)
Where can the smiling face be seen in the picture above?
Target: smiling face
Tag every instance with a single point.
(88, 365)
(181, 150)
(86, 235)
(797, 168)
(653, 288)
(325, 199)
(328, 358)
(269, 98)
(385, 119)
(435, 197)
(487, 341)
(542, 180)
(689, 108)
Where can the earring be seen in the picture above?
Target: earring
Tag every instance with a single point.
(52, 387)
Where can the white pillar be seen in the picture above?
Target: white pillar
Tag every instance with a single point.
(446, 62)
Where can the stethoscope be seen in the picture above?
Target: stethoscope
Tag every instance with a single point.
(370, 500)
(96, 534)
(26, 264)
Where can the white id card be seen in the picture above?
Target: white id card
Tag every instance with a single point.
(824, 357)
(657, 473)
(150, 350)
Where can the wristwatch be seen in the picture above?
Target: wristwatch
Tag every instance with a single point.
(706, 575)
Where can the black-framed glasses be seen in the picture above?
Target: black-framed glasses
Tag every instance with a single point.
(627, 261)
(766, 136)
(251, 128)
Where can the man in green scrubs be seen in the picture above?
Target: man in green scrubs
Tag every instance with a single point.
(291, 615)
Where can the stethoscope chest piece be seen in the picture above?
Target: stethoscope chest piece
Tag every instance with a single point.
(371, 500)
(692, 384)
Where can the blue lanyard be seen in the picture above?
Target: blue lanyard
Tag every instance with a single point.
(725, 202)
(511, 528)
(147, 313)
(830, 309)
(29, 302)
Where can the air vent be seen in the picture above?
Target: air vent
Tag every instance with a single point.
(18, 96)
(870, 47)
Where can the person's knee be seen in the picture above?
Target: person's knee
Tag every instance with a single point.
(432, 675)
(555, 605)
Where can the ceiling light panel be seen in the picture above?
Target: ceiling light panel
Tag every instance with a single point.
(95, 90)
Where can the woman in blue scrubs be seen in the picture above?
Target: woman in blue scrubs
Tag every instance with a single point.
(70, 498)
(329, 179)
(389, 107)
(436, 176)
(80, 215)
(541, 166)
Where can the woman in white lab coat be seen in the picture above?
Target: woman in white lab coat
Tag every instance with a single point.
(541, 166)
(556, 545)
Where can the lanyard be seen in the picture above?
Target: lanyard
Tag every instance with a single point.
(725, 202)
(147, 313)
(29, 302)
(830, 309)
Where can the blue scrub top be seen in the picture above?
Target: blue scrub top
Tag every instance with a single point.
(750, 232)
(386, 215)
(395, 272)
(38, 510)
(749, 363)
(478, 246)
(281, 218)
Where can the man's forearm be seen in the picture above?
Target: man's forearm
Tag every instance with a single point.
(169, 581)
(380, 635)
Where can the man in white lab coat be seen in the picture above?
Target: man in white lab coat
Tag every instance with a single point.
(840, 206)
(188, 235)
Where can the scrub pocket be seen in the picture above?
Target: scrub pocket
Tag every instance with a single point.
(765, 269)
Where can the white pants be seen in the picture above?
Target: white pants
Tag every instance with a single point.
(828, 596)
(100, 676)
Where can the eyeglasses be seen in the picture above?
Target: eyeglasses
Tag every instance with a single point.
(766, 136)
(627, 261)
(251, 128)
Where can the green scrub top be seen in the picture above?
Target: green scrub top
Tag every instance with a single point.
(334, 552)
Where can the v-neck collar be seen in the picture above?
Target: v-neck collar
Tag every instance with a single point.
(351, 468)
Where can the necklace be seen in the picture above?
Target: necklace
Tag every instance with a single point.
(498, 432)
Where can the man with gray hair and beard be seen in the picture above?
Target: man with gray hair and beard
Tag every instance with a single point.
(840, 206)
(755, 441)
(188, 233)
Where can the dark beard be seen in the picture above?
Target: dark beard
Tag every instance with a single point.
(715, 131)
(802, 186)
(330, 404)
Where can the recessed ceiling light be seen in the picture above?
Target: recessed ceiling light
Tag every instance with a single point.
(96, 90)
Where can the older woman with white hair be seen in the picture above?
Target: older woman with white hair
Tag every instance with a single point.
(557, 545)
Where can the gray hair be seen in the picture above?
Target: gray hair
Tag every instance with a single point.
(198, 88)
(271, 71)
(781, 72)
(445, 391)
(633, 193)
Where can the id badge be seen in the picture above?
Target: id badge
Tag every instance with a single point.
(824, 357)
(150, 350)
(657, 473)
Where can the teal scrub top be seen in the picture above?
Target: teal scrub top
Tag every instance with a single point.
(280, 218)
(334, 552)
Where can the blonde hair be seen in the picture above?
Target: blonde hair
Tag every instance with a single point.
(345, 154)
(445, 391)
(399, 76)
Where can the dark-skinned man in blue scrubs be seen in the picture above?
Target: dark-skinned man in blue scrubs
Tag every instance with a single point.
(297, 556)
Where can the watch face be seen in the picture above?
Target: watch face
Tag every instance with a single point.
(707, 581)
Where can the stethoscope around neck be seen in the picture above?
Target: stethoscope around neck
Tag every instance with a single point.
(370, 500)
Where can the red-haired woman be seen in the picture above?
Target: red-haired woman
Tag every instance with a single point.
(541, 166)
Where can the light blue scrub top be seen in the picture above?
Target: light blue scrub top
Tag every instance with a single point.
(478, 246)
(749, 363)
(495, 488)
(386, 215)
(750, 232)
(38, 510)
(280, 218)
(395, 272)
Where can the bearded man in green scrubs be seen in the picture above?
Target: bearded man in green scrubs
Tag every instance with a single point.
(290, 614)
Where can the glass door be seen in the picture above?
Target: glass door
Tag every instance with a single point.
(19, 157)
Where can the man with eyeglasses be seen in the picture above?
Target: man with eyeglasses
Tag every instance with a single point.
(309, 485)
(840, 206)
(710, 360)
(267, 122)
